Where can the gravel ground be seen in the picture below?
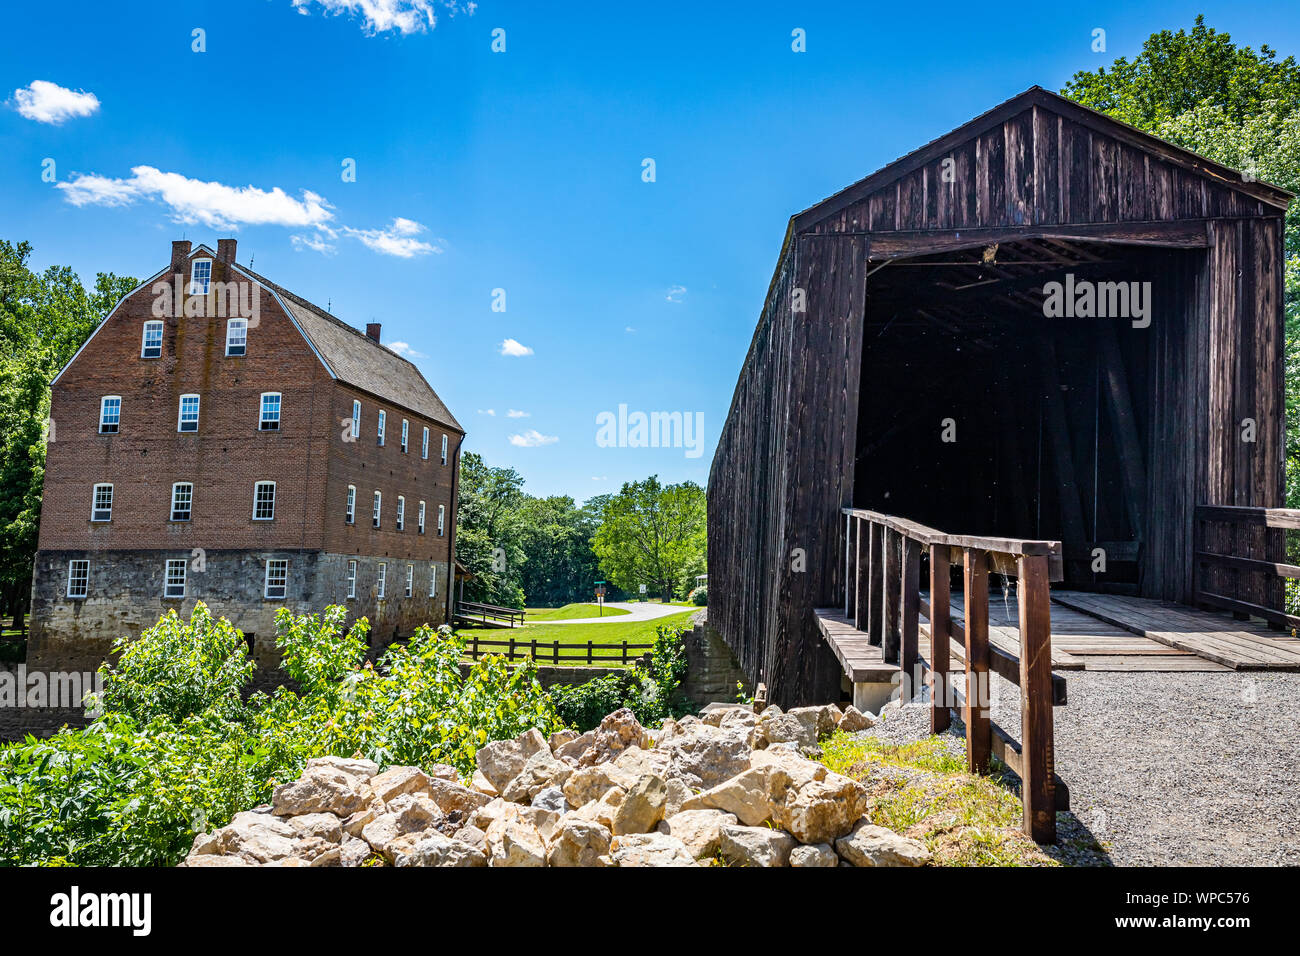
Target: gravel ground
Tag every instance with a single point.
(1168, 768)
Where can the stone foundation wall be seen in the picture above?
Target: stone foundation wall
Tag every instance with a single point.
(712, 669)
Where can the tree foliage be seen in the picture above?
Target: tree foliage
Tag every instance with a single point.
(653, 534)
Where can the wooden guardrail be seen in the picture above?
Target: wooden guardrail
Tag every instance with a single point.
(489, 614)
(883, 596)
(556, 652)
(1239, 561)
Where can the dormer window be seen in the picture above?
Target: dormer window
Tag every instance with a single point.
(200, 276)
(151, 345)
(236, 336)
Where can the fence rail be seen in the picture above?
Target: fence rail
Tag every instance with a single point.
(490, 615)
(1240, 561)
(556, 652)
(883, 598)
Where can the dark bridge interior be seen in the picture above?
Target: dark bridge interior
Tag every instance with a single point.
(979, 414)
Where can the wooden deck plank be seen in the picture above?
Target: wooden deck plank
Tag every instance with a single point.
(1239, 645)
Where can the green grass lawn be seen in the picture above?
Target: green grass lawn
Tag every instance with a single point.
(606, 639)
(571, 612)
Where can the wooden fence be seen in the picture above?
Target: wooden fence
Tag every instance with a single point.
(555, 652)
(1240, 561)
(884, 598)
(488, 615)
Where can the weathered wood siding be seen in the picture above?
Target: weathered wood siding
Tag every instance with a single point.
(1036, 165)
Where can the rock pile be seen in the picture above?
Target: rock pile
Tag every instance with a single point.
(728, 785)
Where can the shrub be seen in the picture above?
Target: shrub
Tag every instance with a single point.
(699, 596)
(178, 752)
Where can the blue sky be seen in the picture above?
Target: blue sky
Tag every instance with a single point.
(519, 170)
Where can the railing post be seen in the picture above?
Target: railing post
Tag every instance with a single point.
(555, 652)
(975, 576)
(590, 658)
(474, 653)
(1037, 779)
(862, 577)
(625, 652)
(940, 635)
(875, 605)
(908, 651)
(848, 564)
(532, 649)
(890, 590)
(512, 649)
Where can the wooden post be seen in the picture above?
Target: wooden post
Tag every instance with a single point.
(875, 585)
(848, 565)
(890, 590)
(1037, 779)
(474, 653)
(908, 652)
(512, 649)
(939, 638)
(625, 652)
(555, 652)
(532, 648)
(979, 736)
(862, 577)
(590, 657)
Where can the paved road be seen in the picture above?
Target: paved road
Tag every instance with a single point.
(638, 611)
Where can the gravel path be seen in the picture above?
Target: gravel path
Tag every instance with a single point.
(639, 611)
(1168, 768)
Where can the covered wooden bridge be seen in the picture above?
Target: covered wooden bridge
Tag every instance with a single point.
(1059, 340)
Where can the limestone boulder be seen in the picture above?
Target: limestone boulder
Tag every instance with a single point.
(820, 720)
(574, 748)
(501, 760)
(818, 854)
(705, 756)
(540, 771)
(617, 732)
(321, 789)
(578, 842)
(452, 797)
(821, 811)
(745, 795)
(785, 728)
(552, 798)
(395, 781)
(253, 836)
(699, 830)
(354, 852)
(362, 770)
(649, 849)
(514, 841)
(324, 826)
(755, 846)
(855, 720)
(870, 845)
(642, 807)
(407, 814)
(435, 849)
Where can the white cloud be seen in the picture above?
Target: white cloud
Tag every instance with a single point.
(600, 477)
(211, 204)
(488, 411)
(396, 240)
(402, 348)
(533, 439)
(676, 293)
(47, 102)
(381, 16)
(516, 413)
(513, 348)
(315, 243)
(628, 329)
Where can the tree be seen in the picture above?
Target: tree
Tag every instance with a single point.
(487, 532)
(1238, 107)
(652, 534)
(44, 319)
(555, 535)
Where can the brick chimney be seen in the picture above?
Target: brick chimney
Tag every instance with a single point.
(180, 254)
(226, 250)
(372, 330)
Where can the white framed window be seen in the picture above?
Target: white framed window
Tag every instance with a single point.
(200, 276)
(352, 504)
(352, 579)
(264, 501)
(356, 420)
(188, 418)
(419, 519)
(401, 512)
(236, 336)
(151, 344)
(424, 443)
(383, 418)
(406, 430)
(444, 449)
(270, 418)
(101, 505)
(174, 583)
(277, 578)
(410, 579)
(379, 501)
(433, 580)
(182, 500)
(442, 515)
(78, 578)
(110, 414)
(381, 580)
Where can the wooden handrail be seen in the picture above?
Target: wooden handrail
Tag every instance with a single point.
(553, 650)
(882, 596)
(1247, 584)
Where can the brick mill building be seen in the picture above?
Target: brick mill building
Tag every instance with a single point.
(220, 439)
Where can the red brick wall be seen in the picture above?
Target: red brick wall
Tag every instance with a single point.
(223, 460)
